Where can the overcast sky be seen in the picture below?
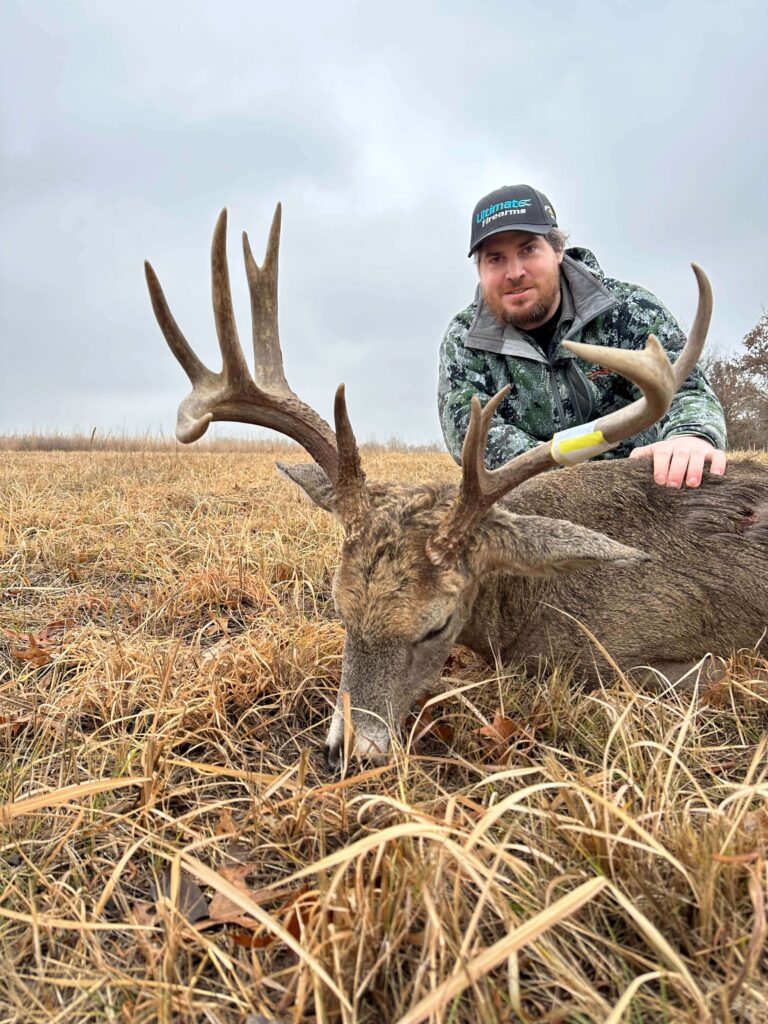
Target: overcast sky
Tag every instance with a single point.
(126, 126)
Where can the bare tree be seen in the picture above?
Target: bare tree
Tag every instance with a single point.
(741, 384)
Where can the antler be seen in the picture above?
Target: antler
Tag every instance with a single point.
(267, 401)
(650, 369)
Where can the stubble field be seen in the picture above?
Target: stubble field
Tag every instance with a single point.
(173, 847)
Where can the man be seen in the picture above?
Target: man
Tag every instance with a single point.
(533, 294)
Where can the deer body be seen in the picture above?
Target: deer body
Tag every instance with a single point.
(508, 561)
(703, 589)
(660, 577)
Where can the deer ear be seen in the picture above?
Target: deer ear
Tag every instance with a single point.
(313, 481)
(538, 546)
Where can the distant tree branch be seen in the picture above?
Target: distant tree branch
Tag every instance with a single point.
(741, 384)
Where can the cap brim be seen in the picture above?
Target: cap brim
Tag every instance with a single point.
(533, 229)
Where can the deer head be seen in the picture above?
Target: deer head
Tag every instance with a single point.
(412, 558)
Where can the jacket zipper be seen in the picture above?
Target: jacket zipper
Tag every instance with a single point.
(578, 414)
(555, 392)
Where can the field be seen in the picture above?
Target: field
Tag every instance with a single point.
(173, 847)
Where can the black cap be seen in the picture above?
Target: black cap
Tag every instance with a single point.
(511, 208)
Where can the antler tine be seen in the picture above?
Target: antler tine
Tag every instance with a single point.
(481, 488)
(476, 476)
(235, 368)
(262, 285)
(192, 419)
(177, 343)
(352, 498)
(688, 358)
(651, 370)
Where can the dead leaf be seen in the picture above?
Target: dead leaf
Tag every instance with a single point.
(190, 900)
(47, 633)
(40, 644)
(500, 730)
(225, 824)
(426, 724)
(33, 652)
(11, 726)
(292, 924)
(222, 908)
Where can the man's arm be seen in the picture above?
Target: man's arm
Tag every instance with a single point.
(693, 430)
(463, 373)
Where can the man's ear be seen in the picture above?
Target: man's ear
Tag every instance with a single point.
(538, 546)
(312, 480)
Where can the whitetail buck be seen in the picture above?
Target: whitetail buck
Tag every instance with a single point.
(659, 576)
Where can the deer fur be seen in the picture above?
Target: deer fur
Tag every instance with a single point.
(658, 575)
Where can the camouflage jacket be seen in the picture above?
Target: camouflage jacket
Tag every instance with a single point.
(478, 356)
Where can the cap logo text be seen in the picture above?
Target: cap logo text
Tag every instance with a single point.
(510, 204)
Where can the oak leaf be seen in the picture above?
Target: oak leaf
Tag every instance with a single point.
(500, 730)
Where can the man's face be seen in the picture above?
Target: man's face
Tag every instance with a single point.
(520, 278)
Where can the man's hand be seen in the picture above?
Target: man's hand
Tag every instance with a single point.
(681, 458)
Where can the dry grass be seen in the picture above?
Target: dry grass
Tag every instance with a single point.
(216, 440)
(173, 848)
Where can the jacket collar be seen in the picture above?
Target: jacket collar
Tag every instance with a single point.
(584, 295)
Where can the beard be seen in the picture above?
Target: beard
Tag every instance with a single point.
(533, 317)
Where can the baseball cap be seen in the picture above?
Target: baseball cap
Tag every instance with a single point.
(511, 208)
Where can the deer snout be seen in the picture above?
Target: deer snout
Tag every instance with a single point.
(378, 687)
(370, 739)
(362, 750)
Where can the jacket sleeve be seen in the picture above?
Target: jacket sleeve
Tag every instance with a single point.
(695, 409)
(463, 373)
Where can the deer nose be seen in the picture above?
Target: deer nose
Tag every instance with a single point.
(333, 756)
(366, 751)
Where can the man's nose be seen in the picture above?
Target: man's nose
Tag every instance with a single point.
(514, 269)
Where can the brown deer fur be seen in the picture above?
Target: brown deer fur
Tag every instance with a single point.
(688, 577)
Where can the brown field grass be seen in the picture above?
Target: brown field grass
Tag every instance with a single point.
(173, 848)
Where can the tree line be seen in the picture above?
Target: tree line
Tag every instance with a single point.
(741, 384)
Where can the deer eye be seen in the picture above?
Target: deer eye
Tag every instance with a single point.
(433, 634)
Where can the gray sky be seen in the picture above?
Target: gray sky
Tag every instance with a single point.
(126, 126)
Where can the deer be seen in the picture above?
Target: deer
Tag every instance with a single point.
(517, 563)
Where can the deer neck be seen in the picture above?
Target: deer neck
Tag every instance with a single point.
(501, 609)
